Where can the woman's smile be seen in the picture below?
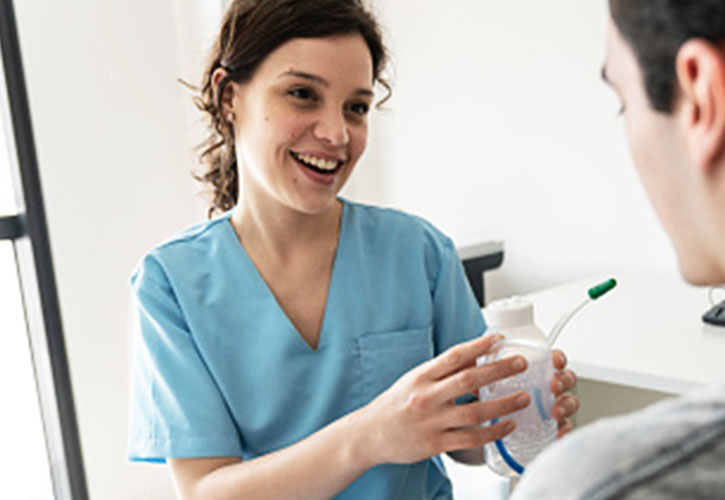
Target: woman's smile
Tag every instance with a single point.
(321, 169)
(309, 101)
(320, 163)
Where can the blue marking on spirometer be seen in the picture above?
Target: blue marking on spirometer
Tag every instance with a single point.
(540, 404)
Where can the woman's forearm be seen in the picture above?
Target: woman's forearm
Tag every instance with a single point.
(410, 421)
(318, 467)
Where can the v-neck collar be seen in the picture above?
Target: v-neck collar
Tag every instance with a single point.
(263, 287)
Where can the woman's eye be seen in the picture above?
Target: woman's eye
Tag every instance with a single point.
(302, 93)
(360, 108)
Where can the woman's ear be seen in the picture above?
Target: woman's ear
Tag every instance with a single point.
(700, 67)
(227, 94)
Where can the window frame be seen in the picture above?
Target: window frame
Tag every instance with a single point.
(28, 232)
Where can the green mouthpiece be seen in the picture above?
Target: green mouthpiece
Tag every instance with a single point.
(597, 291)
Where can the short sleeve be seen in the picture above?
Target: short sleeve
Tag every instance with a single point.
(176, 408)
(456, 315)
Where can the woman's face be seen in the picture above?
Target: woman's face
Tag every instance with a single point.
(300, 123)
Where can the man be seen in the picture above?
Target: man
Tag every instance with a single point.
(666, 62)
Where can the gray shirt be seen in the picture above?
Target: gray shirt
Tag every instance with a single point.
(671, 450)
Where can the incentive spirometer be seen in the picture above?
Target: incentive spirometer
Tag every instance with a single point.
(536, 427)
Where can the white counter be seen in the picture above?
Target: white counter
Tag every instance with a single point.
(647, 333)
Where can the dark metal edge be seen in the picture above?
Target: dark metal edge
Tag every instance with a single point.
(37, 231)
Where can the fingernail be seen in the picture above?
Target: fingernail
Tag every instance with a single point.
(508, 426)
(496, 338)
(519, 363)
(522, 400)
(560, 385)
(560, 412)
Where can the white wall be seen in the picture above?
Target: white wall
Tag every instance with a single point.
(110, 124)
(500, 128)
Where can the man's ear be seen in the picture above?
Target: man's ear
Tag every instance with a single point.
(700, 67)
(227, 92)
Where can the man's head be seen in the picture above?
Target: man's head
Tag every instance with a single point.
(666, 61)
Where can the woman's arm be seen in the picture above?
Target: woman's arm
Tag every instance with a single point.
(414, 419)
(319, 466)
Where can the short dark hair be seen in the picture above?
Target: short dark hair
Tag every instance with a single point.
(656, 29)
(250, 31)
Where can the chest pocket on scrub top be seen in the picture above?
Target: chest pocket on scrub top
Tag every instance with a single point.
(389, 355)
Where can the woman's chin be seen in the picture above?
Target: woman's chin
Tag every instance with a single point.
(314, 204)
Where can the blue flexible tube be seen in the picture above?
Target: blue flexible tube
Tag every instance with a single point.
(510, 461)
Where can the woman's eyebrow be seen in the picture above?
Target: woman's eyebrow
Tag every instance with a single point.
(321, 81)
(365, 92)
(306, 76)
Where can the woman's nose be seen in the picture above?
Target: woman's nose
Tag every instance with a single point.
(332, 128)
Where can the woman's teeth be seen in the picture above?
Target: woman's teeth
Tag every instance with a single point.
(316, 162)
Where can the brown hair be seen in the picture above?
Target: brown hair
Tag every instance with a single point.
(250, 31)
(656, 29)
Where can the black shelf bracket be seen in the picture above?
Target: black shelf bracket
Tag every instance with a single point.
(477, 260)
(11, 227)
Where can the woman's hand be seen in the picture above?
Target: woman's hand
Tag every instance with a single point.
(566, 405)
(417, 417)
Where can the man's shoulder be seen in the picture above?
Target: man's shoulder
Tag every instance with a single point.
(694, 471)
(615, 455)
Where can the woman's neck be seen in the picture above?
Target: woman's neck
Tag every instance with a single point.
(280, 231)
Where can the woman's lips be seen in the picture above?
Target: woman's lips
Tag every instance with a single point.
(318, 162)
(315, 173)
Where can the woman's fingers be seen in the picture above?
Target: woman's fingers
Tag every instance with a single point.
(559, 359)
(565, 427)
(460, 356)
(472, 378)
(459, 439)
(565, 406)
(562, 382)
(481, 411)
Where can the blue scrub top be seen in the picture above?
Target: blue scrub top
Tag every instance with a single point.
(219, 370)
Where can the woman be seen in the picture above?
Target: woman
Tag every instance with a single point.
(288, 347)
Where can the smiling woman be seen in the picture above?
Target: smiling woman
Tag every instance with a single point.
(302, 120)
(244, 40)
(289, 347)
